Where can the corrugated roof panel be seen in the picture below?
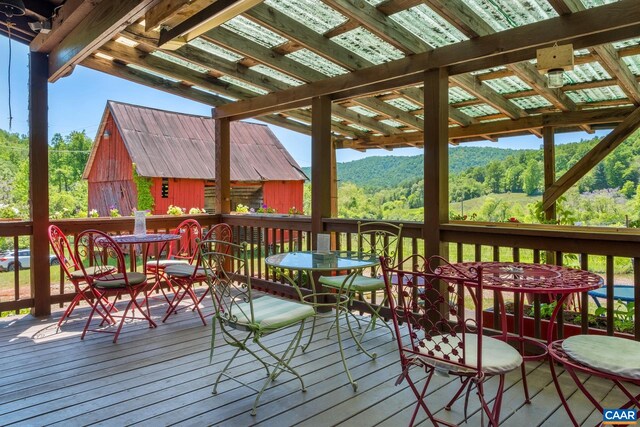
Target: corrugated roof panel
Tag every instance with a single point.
(317, 62)
(457, 94)
(179, 61)
(214, 49)
(313, 13)
(596, 94)
(633, 62)
(626, 43)
(595, 3)
(364, 111)
(153, 73)
(360, 128)
(507, 85)
(478, 110)
(294, 119)
(244, 85)
(275, 74)
(429, 26)
(403, 104)
(392, 123)
(487, 70)
(505, 14)
(201, 89)
(367, 45)
(375, 2)
(253, 31)
(585, 73)
(530, 102)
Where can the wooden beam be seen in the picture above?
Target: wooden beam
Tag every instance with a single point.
(611, 62)
(474, 86)
(394, 113)
(223, 165)
(39, 183)
(162, 12)
(101, 24)
(436, 161)
(549, 158)
(592, 158)
(66, 19)
(208, 18)
(320, 164)
(598, 23)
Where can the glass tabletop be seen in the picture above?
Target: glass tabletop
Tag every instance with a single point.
(334, 260)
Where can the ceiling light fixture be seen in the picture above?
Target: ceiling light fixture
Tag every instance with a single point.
(43, 27)
(554, 61)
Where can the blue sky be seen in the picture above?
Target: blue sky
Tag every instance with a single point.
(77, 103)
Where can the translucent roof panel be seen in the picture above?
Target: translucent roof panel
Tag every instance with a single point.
(317, 62)
(403, 104)
(367, 45)
(429, 26)
(457, 94)
(507, 85)
(595, 3)
(360, 128)
(585, 73)
(487, 70)
(275, 74)
(254, 32)
(478, 110)
(633, 62)
(364, 111)
(201, 89)
(153, 73)
(505, 14)
(214, 49)
(312, 13)
(626, 43)
(585, 96)
(244, 85)
(531, 102)
(179, 61)
(392, 123)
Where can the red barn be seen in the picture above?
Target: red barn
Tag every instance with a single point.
(175, 152)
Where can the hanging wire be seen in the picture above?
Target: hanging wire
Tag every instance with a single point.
(9, 25)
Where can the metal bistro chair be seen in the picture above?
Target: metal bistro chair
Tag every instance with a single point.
(182, 251)
(96, 250)
(73, 272)
(612, 358)
(184, 276)
(440, 338)
(380, 239)
(245, 318)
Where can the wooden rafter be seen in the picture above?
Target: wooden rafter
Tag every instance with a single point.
(162, 12)
(616, 137)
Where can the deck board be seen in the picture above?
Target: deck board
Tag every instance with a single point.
(162, 376)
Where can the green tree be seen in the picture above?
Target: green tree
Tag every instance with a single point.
(532, 178)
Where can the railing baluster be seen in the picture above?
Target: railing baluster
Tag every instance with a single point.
(584, 304)
(610, 300)
(636, 295)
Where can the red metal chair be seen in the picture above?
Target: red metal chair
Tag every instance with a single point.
(181, 251)
(612, 358)
(184, 276)
(96, 250)
(72, 271)
(440, 336)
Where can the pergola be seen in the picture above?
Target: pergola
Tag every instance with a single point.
(352, 73)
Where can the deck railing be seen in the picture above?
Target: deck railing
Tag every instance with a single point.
(612, 253)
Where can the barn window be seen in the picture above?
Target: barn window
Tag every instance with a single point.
(165, 188)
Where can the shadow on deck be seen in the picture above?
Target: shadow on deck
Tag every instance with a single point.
(163, 377)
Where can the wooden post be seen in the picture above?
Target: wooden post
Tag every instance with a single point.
(39, 183)
(436, 160)
(548, 137)
(320, 164)
(223, 166)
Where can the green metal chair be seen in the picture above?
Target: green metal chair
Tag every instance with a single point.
(244, 317)
(381, 239)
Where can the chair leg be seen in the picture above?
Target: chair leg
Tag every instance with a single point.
(554, 376)
(455, 397)
(76, 300)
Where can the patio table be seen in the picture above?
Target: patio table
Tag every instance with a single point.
(523, 278)
(332, 261)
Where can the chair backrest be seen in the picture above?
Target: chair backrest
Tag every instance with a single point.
(186, 248)
(381, 239)
(222, 234)
(63, 251)
(227, 272)
(432, 306)
(99, 256)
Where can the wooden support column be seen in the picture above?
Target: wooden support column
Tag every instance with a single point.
(548, 138)
(223, 166)
(436, 160)
(320, 163)
(39, 182)
(334, 182)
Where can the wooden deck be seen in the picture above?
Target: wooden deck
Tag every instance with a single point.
(163, 377)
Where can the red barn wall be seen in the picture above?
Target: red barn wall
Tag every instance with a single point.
(283, 195)
(184, 193)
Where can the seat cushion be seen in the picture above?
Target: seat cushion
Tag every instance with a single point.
(163, 263)
(360, 283)
(183, 270)
(613, 355)
(118, 281)
(498, 357)
(92, 271)
(271, 313)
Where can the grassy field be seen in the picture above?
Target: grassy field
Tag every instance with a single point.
(511, 199)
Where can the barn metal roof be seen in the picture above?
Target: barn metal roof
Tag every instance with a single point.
(279, 44)
(176, 145)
